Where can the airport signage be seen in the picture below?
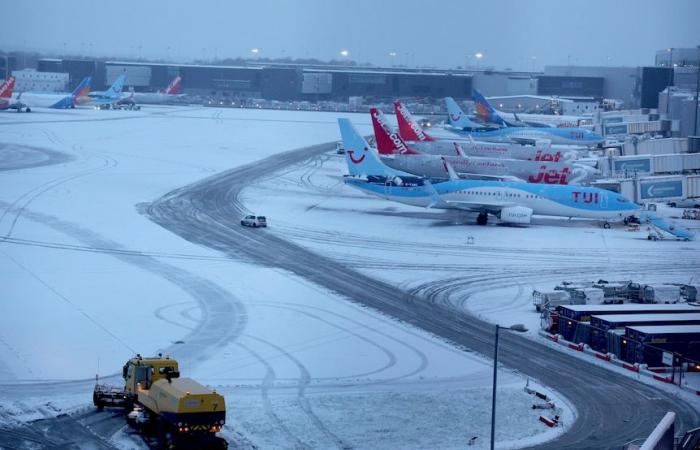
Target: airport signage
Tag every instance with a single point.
(642, 165)
(661, 189)
(616, 129)
(612, 120)
(667, 358)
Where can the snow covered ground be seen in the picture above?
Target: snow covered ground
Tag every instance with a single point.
(490, 271)
(89, 281)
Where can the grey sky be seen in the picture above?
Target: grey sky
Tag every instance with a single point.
(510, 33)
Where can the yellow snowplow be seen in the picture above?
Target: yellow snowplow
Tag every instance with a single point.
(179, 412)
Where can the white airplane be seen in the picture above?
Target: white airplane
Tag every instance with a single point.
(398, 154)
(169, 94)
(461, 125)
(6, 93)
(511, 203)
(537, 150)
(110, 97)
(488, 114)
(28, 100)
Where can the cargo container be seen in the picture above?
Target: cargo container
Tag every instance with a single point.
(602, 325)
(646, 344)
(572, 315)
(550, 299)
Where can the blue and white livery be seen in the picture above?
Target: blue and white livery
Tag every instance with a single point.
(510, 202)
(565, 136)
(27, 100)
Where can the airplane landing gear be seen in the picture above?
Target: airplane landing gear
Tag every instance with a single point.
(606, 225)
(482, 218)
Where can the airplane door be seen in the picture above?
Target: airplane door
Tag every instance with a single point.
(499, 195)
(604, 201)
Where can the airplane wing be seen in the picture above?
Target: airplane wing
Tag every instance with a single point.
(523, 141)
(439, 202)
(481, 176)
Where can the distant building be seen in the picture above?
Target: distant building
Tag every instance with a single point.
(31, 80)
(678, 57)
(615, 83)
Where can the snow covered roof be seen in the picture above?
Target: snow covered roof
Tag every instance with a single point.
(639, 318)
(634, 307)
(668, 329)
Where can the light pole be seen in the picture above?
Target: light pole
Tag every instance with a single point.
(255, 51)
(392, 55)
(670, 81)
(697, 98)
(478, 56)
(520, 328)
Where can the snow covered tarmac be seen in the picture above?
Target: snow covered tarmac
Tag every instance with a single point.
(91, 280)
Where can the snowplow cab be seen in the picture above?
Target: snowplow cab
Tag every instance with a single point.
(141, 373)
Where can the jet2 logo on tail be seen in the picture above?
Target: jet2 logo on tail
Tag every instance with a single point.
(544, 156)
(550, 176)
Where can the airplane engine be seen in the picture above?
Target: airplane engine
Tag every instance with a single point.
(517, 215)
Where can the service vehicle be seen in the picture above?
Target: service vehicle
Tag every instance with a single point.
(254, 221)
(179, 413)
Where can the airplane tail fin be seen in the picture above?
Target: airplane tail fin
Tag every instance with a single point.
(174, 86)
(360, 158)
(116, 88)
(409, 129)
(388, 140)
(456, 117)
(484, 110)
(7, 87)
(82, 89)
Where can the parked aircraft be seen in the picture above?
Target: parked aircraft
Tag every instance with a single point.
(398, 154)
(566, 136)
(6, 92)
(28, 100)
(111, 96)
(169, 94)
(413, 133)
(511, 203)
(487, 113)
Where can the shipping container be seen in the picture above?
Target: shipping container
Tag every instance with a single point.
(601, 325)
(572, 315)
(646, 344)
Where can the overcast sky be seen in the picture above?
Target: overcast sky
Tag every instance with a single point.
(509, 33)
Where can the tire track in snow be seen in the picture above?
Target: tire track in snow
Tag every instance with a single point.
(302, 384)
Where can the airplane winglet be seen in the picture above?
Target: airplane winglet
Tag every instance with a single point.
(436, 200)
(459, 150)
(449, 169)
